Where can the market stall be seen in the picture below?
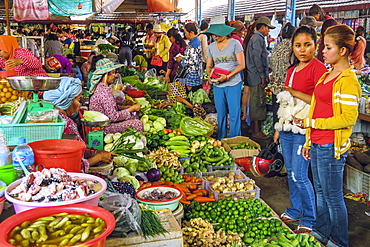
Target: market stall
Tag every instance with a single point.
(172, 184)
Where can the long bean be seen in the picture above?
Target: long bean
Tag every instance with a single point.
(150, 223)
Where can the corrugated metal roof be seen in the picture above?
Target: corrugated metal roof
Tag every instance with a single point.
(268, 7)
(122, 17)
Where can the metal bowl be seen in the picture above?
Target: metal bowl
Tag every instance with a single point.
(33, 83)
(95, 124)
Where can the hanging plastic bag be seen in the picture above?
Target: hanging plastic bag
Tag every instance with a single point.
(195, 127)
(126, 211)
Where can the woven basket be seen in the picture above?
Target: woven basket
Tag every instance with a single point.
(102, 168)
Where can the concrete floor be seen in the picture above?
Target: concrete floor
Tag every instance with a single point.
(275, 192)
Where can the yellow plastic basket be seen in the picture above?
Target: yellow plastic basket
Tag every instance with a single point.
(32, 131)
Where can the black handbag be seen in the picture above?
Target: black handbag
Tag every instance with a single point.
(182, 71)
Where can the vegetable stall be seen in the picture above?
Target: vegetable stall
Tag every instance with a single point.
(173, 184)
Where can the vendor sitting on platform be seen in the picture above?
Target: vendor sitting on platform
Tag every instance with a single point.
(22, 61)
(66, 98)
(102, 100)
(58, 64)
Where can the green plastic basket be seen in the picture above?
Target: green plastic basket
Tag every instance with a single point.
(32, 131)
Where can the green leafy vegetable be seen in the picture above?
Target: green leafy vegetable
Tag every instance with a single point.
(195, 127)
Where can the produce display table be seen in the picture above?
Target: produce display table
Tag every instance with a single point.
(173, 238)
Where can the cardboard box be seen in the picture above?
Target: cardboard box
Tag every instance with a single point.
(227, 143)
(172, 238)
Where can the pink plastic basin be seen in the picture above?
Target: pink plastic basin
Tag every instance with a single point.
(20, 206)
(7, 225)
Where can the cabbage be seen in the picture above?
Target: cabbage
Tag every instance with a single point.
(108, 138)
(130, 179)
(161, 120)
(146, 127)
(94, 116)
(158, 126)
(144, 118)
(121, 172)
(108, 147)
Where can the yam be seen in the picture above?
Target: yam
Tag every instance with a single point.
(352, 161)
(367, 168)
(362, 157)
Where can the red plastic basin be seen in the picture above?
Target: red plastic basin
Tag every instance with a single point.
(136, 93)
(7, 225)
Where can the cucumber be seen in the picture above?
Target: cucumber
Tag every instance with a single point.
(179, 138)
(177, 143)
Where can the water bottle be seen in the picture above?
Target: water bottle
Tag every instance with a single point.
(4, 151)
(23, 153)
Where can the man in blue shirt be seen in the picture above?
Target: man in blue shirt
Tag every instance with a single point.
(257, 75)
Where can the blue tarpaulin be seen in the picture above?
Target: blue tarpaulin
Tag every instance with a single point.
(70, 7)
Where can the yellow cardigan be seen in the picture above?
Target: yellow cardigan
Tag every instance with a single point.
(346, 94)
(163, 48)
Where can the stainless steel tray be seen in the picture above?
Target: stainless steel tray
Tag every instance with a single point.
(33, 83)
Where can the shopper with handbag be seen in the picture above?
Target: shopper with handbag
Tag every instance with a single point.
(300, 82)
(225, 61)
(162, 50)
(190, 70)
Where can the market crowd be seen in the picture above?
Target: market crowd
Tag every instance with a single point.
(317, 74)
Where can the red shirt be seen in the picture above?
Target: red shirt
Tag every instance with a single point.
(306, 79)
(31, 66)
(323, 109)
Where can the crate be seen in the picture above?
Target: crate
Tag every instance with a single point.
(248, 194)
(222, 173)
(356, 180)
(172, 238)
(212, 168)
(32, 131)
(227, 143)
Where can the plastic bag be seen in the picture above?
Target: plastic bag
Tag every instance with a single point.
(195, 127)
(44, 116)
(120, 98)
(126, 211)
(117, 83)
(151, 72)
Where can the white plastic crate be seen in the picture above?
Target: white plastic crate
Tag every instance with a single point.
(212, 168)
(248, 194)
(222, 173)
(356, 180)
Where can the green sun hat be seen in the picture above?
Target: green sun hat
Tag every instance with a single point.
(104, 66)
(219, 29)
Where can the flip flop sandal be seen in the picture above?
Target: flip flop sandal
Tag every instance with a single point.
(285, 218)
(303, 229)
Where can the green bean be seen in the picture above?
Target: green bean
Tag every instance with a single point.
(12, 241)
(14, 231)
(58, 240)
(58, 233)
(25, 243)
(62, 222)
(99, 228)
(74, 240)
(64, 242)
(75, 229)
(81, 231)
(25, 224)
(69, 227)
(61, 214)
(35, 235)
(86, 224)
(86, 233)
(43, 235)
(18, 237)
(54, 222)
(49, 218)
(26, 234)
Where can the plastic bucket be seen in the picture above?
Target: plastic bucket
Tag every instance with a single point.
(7, 225)
(7, 174)
(59, 153)
(20, 206)
(2, 199)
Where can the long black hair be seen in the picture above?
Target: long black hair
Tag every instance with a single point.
(302, 29)
(173, 32)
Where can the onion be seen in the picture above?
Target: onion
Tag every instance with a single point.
(153, 175)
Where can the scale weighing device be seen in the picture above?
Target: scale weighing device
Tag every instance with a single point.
(94, 138)
(33, 84)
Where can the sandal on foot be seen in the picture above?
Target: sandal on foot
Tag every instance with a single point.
(285, 218)
(303, 229)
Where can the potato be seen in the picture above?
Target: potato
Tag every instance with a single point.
(362, 157)
(237, 177)
(352, 161)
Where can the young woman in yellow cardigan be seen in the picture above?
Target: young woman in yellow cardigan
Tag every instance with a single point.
(333, 112)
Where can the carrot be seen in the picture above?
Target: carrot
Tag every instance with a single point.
(200, 193)
(188, 194)
(158, 183)
(202, 190)
(191, 197)
(184, 189)
(169, 183)
(204, 199)
(184, 201)
(141, 182)
(212, 196)
(192, 187)
(145, 185)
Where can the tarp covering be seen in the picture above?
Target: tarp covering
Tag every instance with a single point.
(70, 7)
(31, 10)
(155, 6)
